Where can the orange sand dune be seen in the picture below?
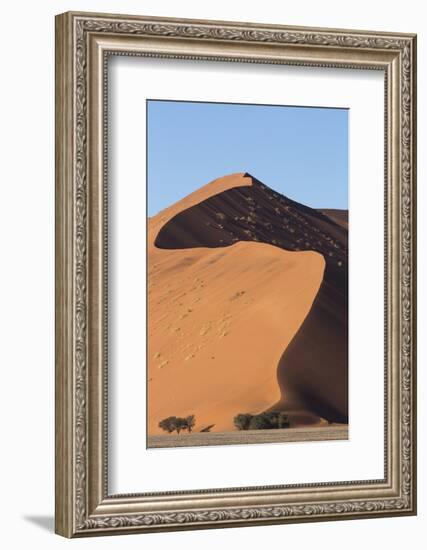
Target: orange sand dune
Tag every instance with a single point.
(234, 270)
(216, 331)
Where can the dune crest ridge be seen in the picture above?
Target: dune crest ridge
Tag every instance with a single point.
(212, 188)
(247, 307)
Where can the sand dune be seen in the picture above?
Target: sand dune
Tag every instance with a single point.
(247, 308)
(338, 216)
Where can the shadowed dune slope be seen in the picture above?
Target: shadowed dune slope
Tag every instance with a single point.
(247, 307)
(338, 216)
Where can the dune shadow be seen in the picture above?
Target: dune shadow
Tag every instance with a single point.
(207, 429)
(313, 370)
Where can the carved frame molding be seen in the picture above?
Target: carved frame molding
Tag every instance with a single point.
(83, 42)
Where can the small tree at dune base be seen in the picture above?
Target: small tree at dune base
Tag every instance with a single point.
(242, 421)
(180, 424)
(263, 421)
(168, 424)
(177, 424)
(190, 422)
(283, 420)
(260, 422)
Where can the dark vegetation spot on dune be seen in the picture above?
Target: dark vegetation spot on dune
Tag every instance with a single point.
(238, 294)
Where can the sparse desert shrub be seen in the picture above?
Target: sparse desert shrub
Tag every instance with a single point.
(176, 423)
(190, 422)
(242, 421)
(263, 421)
(168, 424)
(181, 424)
(260, 422)
(283, 420)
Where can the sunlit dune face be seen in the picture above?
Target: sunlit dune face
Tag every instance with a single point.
(219, 321)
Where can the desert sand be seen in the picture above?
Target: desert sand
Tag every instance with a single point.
(247, 308)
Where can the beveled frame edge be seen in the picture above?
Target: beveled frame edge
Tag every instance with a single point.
(82, 505)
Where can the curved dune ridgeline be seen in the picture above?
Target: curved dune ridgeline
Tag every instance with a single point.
(247, 308)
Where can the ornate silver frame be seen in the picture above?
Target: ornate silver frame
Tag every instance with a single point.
(83, 505)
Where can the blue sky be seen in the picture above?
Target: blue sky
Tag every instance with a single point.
(301, 152)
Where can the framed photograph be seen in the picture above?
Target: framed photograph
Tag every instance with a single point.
(235, 274)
